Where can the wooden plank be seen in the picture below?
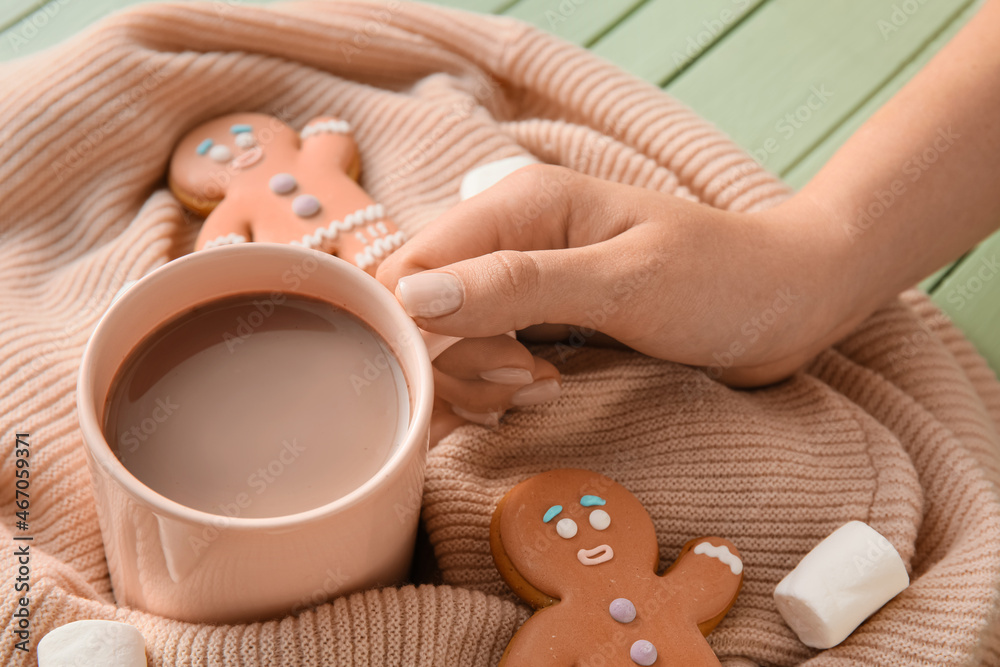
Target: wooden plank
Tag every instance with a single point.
(578, 21)
(799, 173)
(970, 295)
(795, 69)
(21, 21)
(932, 281)
(13, 11)
(59, 19)
(663, 37)
(64, 19)
(483, 6)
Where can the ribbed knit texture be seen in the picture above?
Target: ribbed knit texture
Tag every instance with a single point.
(896, 426)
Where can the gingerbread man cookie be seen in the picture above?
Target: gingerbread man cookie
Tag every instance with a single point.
(256, 179)
(581, 549)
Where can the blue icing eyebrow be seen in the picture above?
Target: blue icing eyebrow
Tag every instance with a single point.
(590, 501)
(551, 512)
(236, 129)
(204, 146)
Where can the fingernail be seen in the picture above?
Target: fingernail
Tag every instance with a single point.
(430, 294)
(491, 419)
(537, 392)
(512, 376)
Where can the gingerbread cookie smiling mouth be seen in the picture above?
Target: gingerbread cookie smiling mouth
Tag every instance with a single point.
(596, 556)
(247, 158)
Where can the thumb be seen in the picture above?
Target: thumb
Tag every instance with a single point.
(509, 289)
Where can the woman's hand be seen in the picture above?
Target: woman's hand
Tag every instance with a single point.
(478, 379)
(750, 296)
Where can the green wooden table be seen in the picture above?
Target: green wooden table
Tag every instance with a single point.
(750, 66)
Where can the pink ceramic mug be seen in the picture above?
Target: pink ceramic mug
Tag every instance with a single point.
(252, 568)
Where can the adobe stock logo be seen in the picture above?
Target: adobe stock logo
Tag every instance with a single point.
(793, 121)
(899, 17)
(131, 439)
(246, 326)
(961, 294)
(751, 331)
(913, 169)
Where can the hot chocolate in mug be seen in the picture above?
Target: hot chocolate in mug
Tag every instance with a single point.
(215, 507)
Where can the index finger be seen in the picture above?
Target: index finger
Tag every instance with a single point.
(529, 210)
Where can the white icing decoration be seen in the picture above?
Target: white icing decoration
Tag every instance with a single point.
(722, 553)
(247, 158)
(326, 127)
(375, 250)
(334, 229)
(225, 240)
(595, 556)
(244, 140)
(566, 528)
(220, 153)
(600, 519)
(378, 249)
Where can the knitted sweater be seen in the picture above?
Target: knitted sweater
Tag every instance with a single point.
(895, 426)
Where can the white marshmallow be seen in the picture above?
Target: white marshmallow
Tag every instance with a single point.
(105, 643)
(491, 173)
(845, 579)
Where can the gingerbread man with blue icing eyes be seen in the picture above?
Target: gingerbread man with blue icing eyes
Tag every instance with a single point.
(256, 179)
(582, 550)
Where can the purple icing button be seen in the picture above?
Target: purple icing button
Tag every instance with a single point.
(305, 206)
(282, 184)
(643, 653)
(622, 610)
